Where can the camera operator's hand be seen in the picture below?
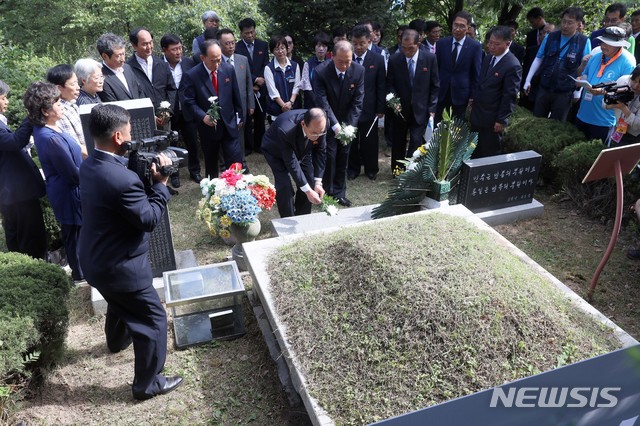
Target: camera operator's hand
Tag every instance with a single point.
(622, 107)
(155, 173)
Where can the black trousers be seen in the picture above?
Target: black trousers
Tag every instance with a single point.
(138, 317)
(24, 228)
(70, 236)
(212, 140)
(399, 149)
(334, 180)
(290, 202)
(189, 132)
(489, 142)
(255, 127)
(364, 150)
(456, 110)
(555, 105)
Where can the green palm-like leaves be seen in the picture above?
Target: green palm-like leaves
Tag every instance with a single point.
(451, 144)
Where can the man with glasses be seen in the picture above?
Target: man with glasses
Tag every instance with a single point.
(120, 83)
(614, 15)
(295, 147)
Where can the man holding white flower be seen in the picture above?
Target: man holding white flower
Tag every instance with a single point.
(295, 147)
(339, 90)
(208, 80)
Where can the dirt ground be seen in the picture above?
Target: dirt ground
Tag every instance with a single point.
(235, 382)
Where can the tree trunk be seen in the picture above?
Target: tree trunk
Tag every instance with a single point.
(509, 12)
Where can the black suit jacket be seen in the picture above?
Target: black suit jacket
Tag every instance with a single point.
(497, 91)
(285, 140)
(343, 104)
(374, 87)
(114, 90)
(20, 179)
(636, 52)
(186, 63)
(421, 98)
(198, 88)
(162, 88)
(461, 79)
(260, 57)
(518, 51)
(118, 215)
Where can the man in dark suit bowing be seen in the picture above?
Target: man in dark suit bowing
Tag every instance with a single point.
(118, 214)
(120, 84)
(21, 187)
(459, 59)
(339, 90)
(295, 147)
(364, 148)
(179, 65)
(212, 78)
(495, 98)
(257, 52)
(412, 75)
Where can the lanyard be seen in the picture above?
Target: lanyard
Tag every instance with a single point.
(604, 65)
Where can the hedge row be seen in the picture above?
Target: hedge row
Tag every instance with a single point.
(33, 315)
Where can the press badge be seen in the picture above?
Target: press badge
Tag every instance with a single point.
(588, 97)
(291, 79)
(621, 129)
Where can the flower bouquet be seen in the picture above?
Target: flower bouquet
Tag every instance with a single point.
(394, 103)
(347, 134)
(214, 109)
(164, 111)
(233, 198)
(329, 205)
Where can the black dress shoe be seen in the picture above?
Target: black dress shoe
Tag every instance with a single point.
(344, 201)
(372, 176)
(196, 177)
(171, 384)
(175, 180)
(172, 191)
(351, 176)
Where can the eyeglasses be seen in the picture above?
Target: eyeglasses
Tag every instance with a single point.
(316, 135)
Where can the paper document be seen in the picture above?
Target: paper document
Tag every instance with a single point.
(582, 83)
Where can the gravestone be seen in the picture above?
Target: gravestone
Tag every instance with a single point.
(500, 181)
(143, 122)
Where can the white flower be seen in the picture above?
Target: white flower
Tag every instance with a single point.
(204, 182)
(349, 131)
(205, 191)
(332, 210)
(241, 184)
(165, 105)
(411, 166)
(390, 96)
(416, 154)
(212, 99)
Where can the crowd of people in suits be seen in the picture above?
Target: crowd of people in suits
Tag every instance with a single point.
(345, 82)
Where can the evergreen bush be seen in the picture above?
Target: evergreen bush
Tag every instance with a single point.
(32, 291)
(597, 199)
(546, 137)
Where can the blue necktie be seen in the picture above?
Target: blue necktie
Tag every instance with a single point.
(412, 71)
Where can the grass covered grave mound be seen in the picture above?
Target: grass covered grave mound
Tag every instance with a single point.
(398, 315)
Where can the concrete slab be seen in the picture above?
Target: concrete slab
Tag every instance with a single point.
(512, 214)
(258, 252)
(184, 259)
(318, 221)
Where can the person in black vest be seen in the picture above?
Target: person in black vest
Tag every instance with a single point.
(321, 43)
(556, 62)
(635, 32)
(282, 78)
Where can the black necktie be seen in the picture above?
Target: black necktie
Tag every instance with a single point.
(359, 60)
(341, 77)
(493, 62)
(454, 54)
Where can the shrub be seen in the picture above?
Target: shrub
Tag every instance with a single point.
(598, 198)
(546, 137)
(51, 225)
(17, 335)
(36, 291)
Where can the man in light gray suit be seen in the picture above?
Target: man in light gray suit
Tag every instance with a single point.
(243, 72)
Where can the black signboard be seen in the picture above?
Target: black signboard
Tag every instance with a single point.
(601, 391)
(143, 122)
(500, 181)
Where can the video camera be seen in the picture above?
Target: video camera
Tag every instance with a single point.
(144, 152)
(616, 94)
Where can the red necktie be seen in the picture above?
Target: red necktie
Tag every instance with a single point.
(214, 80)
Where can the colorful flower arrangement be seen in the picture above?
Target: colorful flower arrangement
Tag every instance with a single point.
(233, 198)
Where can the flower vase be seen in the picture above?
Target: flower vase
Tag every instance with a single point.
(440, 190)
(243, 233)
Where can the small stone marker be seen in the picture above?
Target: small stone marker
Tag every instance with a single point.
(500, 181)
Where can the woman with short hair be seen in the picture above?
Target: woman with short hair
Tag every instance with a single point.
(89, 73)
(60, 157)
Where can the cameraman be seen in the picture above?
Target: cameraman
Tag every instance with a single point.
(626, 131)
(114, 246)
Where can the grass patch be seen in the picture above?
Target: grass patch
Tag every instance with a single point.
(432, 310)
